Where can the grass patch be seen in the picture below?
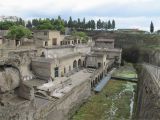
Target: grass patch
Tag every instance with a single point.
(113, 102)
(126, 71)
(100, 106)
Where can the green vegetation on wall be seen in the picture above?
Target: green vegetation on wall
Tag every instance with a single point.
(81, 35)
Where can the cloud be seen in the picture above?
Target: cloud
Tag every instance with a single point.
(128, 13)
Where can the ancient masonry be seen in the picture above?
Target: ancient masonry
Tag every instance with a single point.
(148, 104)
(50, 76)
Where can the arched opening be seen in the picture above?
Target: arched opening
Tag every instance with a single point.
(91, 84)
(75, 41)
(56, 71)
(75, 64)
(96, 80)
(99, 78)
(79, 63)
(99, 65)
(43, 54)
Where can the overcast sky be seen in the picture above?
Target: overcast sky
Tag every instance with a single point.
(127, 13)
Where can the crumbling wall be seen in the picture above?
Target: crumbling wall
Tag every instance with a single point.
(65, 107)
(43, 109)
(148, 104)
(9, 79)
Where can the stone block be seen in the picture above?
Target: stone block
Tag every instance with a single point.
(25, 91)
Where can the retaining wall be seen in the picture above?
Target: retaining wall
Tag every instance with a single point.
(148, 105)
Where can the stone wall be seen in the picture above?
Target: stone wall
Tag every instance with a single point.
(67, 106)
(43, 109)
(148, 104)
(83, 49)
(60, 51)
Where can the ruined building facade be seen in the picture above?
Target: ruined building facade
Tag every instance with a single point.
(51, 82)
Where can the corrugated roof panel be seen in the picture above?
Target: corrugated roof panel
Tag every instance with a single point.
(102, 83)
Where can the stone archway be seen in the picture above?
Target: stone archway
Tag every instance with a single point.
(96, 80)
(74, 64)
(99, 78)
(79, 63)
(92, 84)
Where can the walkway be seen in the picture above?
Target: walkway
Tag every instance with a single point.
(102, 83)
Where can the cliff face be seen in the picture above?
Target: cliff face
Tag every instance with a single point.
(148, 104)
(9, 79)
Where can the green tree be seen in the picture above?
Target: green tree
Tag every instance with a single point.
(45, 25)
(151, 27)
(29, 24)
(70, 22)
(20, 22)
(88, 25)
(35, 22)
(106, 25)
(113, 24)
(52, 21)
(59, 25)
(102, 25)
(99, 24)
(82, 35)
(18, 32)
(79, 23)
(65, 23)
(84, 24)
(109, 24)
(75, 24)
(59, 18)
(6, 25)
(93, 25)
